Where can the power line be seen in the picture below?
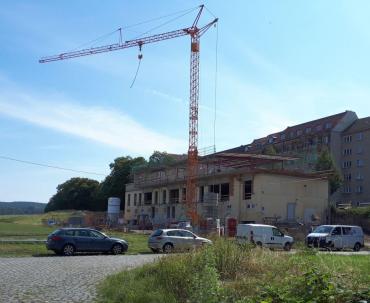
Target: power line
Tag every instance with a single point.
(51, 166)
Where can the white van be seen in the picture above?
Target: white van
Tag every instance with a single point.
(336, 237)
(263, 235)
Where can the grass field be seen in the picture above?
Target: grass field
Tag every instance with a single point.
(30, 227)
(226, 272)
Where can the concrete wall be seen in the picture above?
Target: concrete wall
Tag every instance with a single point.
(271, 194)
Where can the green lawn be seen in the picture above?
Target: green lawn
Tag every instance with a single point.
(30, 227)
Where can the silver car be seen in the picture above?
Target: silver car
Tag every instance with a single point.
(169, 240)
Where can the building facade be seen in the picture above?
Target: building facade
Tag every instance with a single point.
(247, 194)
(355, 163)
(346, 137)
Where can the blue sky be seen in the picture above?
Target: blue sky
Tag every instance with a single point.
(279, 63)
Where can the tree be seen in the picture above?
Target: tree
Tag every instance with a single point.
(325, 162)
(75, 193)
(269, 150)
(161, 158)
(114, 184)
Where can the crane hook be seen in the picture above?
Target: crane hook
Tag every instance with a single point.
(139, 56)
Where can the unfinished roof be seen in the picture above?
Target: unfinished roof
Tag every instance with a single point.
(238, 160)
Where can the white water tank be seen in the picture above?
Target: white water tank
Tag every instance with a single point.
(113, 208)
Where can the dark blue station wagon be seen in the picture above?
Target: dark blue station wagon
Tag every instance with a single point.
(67, 241)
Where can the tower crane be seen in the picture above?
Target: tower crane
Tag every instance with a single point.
(195, 33)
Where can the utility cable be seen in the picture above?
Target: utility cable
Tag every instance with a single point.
(51, 166)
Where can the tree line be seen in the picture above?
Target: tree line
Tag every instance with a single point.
(89, 194)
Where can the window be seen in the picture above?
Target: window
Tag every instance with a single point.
(248, 190)
(201, 193)
(69, 233)
(308, 130)
(359, 176)
(346, 164)
(325, 140)
(214, 188)
(156, 197)
(299, 132)
(168, 212)
(291, 134)
(173, 212)
(328, 125)
(164, 196)
(174, 233)
(148, 198)
(135, 199)
(128, 199)
(183, 193)
(174, 195)
(347, 230)
(347, 139)
(337, 231)
(347, 151)
(82, 233)
(359, 150)
(318, 128)
(225, 191)
(347, 177)
(277, 233)
(359, 136)
(140, 199)
(360, 163)
(282, 137)
(97, 235)
(359, 189)
(186, 234)
(347, 189)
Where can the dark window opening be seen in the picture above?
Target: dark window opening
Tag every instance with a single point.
(248, 190)
(164, 197)
(173, 212)
(140, 199)
(168, 212)
(225, 191)
(201, 194)
(174, 195)
(128, 199)
(183, 193)
(148, 198)
(156, 197)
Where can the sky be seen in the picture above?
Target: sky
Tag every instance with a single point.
(277, 63)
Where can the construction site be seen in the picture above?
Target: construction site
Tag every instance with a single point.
(218, 190)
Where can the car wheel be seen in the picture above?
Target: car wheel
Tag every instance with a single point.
(168, 248)
(68, 250)
(117, 249)
(357, 247)
(287, 246)
(155, 250)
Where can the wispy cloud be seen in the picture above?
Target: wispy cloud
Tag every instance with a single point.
(107, 126)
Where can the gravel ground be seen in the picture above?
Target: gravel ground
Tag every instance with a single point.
(60, 279)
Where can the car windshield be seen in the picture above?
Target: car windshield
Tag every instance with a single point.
(324, 229)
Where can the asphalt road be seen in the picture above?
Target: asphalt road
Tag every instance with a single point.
(60, 279)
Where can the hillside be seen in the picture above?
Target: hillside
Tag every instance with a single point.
(20, 208)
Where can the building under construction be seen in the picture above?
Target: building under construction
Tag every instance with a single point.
(230, 188)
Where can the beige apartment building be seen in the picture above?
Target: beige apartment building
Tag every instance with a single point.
(244, 187)
(355, 164)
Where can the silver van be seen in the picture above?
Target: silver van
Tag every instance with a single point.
(336, 237)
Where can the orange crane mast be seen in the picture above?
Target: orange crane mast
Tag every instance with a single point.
(195, 34)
